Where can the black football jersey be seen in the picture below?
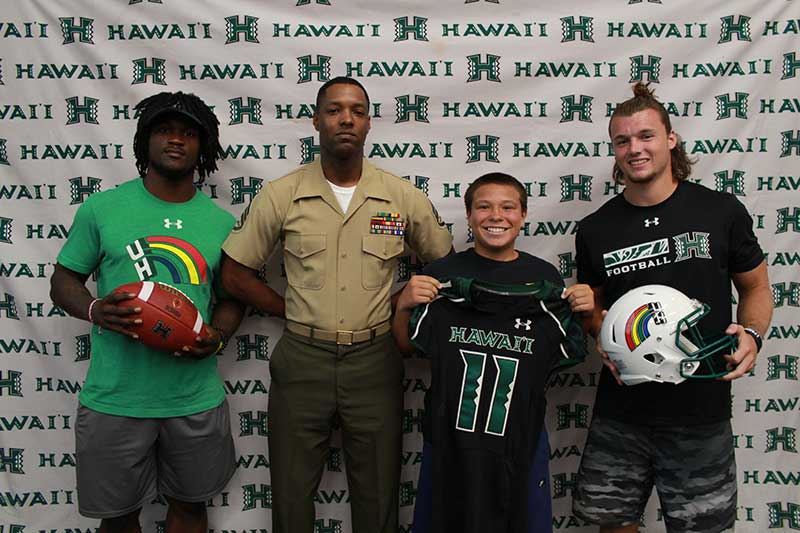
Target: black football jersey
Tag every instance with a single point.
(492, 348)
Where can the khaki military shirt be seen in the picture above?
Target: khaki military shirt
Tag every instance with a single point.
(339, 266)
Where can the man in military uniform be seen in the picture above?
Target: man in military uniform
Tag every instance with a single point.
(343, 224)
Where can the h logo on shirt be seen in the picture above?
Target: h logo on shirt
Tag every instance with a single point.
(520, 324)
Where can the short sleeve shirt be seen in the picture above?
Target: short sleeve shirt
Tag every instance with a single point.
(125, 235)
(339, 266)
(693, 241)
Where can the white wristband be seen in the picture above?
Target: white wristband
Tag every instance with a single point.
(91, 306)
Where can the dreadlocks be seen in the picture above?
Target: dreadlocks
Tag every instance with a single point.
(188, 105)
(644, 98)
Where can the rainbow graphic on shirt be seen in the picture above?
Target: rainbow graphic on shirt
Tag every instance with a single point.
(637, 328)
(183, 263)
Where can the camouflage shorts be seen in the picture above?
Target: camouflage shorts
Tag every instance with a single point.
(692, 468)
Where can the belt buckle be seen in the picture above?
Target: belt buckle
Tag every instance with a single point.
(344, 337)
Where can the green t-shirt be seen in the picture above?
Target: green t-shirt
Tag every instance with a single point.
(127, 235)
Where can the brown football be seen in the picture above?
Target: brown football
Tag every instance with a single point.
(170, 320)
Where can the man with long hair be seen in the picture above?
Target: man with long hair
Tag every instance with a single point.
(674, 437)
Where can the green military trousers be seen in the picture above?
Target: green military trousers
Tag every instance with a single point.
(313, 384)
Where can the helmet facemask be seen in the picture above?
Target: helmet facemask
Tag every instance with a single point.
(703, 353)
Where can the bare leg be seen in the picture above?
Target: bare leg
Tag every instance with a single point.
(185, 517)
(128, 523)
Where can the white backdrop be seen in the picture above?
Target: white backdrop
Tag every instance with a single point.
(458, 89)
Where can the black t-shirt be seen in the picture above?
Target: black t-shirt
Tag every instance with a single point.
(468, 264)
(492, 348)
(692, 241)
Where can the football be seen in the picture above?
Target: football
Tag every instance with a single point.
(170, 320)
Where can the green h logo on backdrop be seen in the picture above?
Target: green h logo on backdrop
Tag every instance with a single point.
(241, 191)
(489, 148)
(11, 384)
(334, 461)
(570, 187)
(12, 463)
(583, 108)
(790, 65)
(732, 182)
(408, 493)
(321, 68)
(566, 417)
(785, 220)
(780, 518)
(782, 296)
(738, 105)
(566, 265)
(250, 424)
(477, 68)
(8, 306)
(562, 485)
(3, 152)
(83, 347)
(239, 110)
(83, 30)
(308, 150)
(412, 419)
(257, 348)
(155, 71)
(790, 142)
(787, 367)
(651, 67)
(402, 29)
(252, 495)
(730, 27)
(236, 29)
(785, 436)
(5, 230)
(405, 108)
(570, 28)
(79, 190)
(86, 110)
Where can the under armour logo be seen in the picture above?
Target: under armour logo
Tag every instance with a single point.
(520, 324)
(168, 223)
(650, 222)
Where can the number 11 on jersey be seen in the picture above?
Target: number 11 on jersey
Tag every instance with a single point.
(472, 388)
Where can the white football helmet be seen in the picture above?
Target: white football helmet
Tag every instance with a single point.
(651, 334)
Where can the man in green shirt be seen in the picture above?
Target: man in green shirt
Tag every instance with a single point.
(146, 418)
